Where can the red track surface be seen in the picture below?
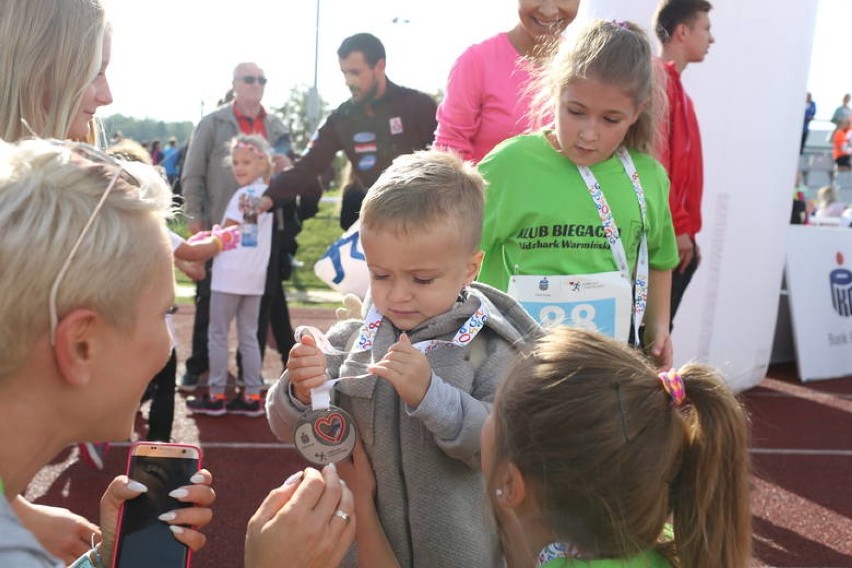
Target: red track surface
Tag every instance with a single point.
(802, 451)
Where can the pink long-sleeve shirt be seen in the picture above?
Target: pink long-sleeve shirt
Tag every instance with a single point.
(486, 99)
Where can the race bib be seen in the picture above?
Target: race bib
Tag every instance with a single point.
(597, 302)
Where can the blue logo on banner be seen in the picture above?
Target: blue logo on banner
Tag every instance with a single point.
(593, 315)
(841, 288)
(362, 137)
(333, 253)
(367, 162)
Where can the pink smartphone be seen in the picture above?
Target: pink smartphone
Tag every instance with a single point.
(144, 540)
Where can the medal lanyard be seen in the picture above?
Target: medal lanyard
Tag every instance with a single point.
(640, 285)
(321, 396)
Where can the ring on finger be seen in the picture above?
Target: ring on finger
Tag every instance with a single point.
(346, 518)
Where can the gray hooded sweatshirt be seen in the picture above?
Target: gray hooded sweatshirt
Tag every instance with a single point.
(429, 489)
(18, 546)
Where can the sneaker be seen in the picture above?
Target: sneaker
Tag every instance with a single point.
(238, 381)
(93, 453)
(245, 406)
(188, 382)
(206, 405)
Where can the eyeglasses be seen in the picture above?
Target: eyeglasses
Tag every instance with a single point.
(250, 79)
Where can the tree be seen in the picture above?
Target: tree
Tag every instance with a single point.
(294, 113)
(147, 129)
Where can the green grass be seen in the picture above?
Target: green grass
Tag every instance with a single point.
(317, 233)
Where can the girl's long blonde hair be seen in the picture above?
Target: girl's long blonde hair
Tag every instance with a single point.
(50, 52)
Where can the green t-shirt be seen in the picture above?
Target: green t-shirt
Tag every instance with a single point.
(540, 219)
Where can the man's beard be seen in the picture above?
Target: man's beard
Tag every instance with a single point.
(368, 96)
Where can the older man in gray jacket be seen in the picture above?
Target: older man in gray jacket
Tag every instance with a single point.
(208, 185)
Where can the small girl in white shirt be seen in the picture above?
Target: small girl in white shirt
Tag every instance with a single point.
(238, 281)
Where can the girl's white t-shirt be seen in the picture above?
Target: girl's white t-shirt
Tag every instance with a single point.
(243, 270)
(175, 239)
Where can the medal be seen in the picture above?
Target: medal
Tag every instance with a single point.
(325, 436)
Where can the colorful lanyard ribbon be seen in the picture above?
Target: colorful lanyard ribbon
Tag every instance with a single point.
(640, 284)
(555, 550)
(321, 396)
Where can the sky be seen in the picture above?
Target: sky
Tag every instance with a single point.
(172, 60)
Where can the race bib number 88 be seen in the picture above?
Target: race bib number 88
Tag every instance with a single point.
(596, 302)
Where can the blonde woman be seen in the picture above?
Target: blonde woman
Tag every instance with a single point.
(53, 58)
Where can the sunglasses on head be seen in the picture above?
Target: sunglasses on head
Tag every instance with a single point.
(250, 79)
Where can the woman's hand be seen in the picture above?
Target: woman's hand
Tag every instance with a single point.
(309, 522)
(200, 494)
(63, 533)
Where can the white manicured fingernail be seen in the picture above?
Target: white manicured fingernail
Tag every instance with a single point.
(197, 478)
(296, 477)
(170, 516)
(176, 529)
(136, 487)
(179, 493)
(331, 467)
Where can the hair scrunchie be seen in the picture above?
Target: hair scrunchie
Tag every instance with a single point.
(673, 384)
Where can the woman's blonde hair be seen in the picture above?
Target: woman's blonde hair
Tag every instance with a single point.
(613, 53)
(47, 195)
(50, 52)
(609, 457)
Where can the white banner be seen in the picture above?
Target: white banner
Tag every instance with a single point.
(819, 284)
(748, 95)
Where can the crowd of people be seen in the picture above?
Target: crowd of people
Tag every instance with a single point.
(823, 205)
(479, 434)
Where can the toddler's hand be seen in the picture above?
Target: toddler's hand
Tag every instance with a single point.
(199, 236)
(306, 366)
(194, 270)
(407, 369)
(228, 236)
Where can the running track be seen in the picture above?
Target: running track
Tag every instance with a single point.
(802, 456)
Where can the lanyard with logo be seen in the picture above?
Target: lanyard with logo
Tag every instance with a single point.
(555, 551)
(326, 434)
(613, 236)
(603, 301)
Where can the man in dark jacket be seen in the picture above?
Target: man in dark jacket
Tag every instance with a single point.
(380, 122)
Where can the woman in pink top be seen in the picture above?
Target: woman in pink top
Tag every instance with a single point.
(485, 101)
